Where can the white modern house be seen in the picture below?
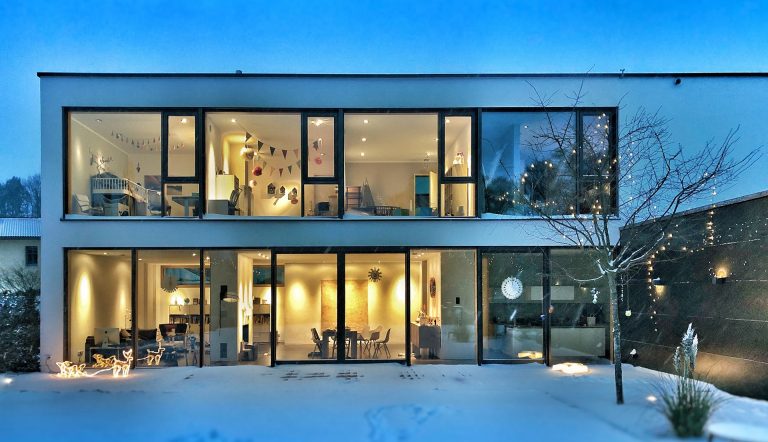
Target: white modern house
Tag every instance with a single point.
(207, 219)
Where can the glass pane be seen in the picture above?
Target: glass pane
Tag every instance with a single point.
(181, 146)
(458, 146)
(238, 331)
(99, 308)
(375, 306)
(253, 164)
(321, 200)
(181, 199)
(529, 162)
(597, 164)
(320, 147)
(114, 163)
(168, 309)
(458, 200)
(512, 302)
(306, 307)
(384, 157)
(443, 308)
(580, 311)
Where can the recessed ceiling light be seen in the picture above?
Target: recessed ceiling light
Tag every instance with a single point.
(317, 122)
(183, 121)
(141, 259)
(447, 121)
(437, 139)
(429, 153)
(363, 139)
(105, 253)
(362, 154)
(194, 254)
(234, 120)
(365, 121)
(98, 120)
(526, 126)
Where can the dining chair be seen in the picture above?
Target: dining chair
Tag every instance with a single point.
(382, 345)
(374, 337)
(318, 342)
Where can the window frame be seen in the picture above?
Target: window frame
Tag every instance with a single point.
(30, 251)
(338, 166)
(579, 113)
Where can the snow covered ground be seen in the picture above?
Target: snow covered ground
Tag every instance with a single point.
(370, 402)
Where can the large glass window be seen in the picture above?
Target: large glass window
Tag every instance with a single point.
(512, 305)
(307, 290)
(547, 162)
(443, 307)
(168, 310)
(580, 313)
(239, 302)
(99, 310)
(390, 164)
(374, 309)
(117, 167)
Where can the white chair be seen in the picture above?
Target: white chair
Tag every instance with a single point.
(82, 205)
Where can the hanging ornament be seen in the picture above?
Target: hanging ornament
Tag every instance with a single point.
(594, 293)
(252, 184)
(432, 287)
(318, 161)
(294, 201)
(257, 171)
(247, 152)
(512, 288)
(138, 167)
(628, 313)
(375, 274)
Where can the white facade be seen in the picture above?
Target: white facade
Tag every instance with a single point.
(701, 108)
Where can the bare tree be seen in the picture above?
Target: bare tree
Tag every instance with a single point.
(574, 179)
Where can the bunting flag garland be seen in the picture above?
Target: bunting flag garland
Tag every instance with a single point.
(285, 153)
(271, 170)
(290, 171)
(281, 171)
(247, 136)
(260, 144)
(296, 152)
(272, 151)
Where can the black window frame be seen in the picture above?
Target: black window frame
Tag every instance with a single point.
(578, 113)
(32, 256)
(338, 163)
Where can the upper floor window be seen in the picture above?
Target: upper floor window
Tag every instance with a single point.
(547, 162)
(408, 164)
(133, 164)
(30, 256)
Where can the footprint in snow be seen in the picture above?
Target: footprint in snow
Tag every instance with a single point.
(397, 422)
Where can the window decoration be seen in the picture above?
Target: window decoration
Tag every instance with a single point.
(374, 274)
(512, 288)
(118, 367)
(432, 287)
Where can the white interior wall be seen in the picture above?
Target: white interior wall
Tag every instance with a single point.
(83, 143)
(391, 183)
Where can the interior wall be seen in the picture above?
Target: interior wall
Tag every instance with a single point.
(245, 296)
(391, 183)
(99, 296)
(457, 303)
(298, 302)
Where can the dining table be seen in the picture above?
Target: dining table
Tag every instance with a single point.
(330, 335)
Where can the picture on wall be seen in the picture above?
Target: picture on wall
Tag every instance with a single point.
(186, 276)
(262, 276)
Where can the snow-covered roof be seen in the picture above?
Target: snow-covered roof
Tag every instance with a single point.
(19, 228)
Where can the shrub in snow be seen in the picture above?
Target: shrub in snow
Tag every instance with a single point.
(685, 401)
(19, 320)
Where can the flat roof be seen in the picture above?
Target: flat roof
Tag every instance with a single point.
(404, 75)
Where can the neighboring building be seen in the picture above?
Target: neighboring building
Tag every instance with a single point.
(714, 275)
(19, 243)
(406, 187)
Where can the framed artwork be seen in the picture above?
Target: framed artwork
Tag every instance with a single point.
(262, 276)
(186, 276)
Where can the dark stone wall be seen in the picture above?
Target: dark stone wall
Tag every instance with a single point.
(730, 318)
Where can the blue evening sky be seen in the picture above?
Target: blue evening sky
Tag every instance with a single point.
(357, 36)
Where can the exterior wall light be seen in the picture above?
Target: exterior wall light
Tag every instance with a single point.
(721, 276)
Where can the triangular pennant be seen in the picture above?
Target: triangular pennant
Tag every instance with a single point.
(316, 144)
(271, 170)
(260, 144)
(281, 171)
(247, 136)
(298, 163)
(272, 150)
(263, 164)
(290, 169)
(296, 152)
(285, 153)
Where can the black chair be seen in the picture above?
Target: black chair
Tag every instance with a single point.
(382, 345)
(317, 351)
(233, 198)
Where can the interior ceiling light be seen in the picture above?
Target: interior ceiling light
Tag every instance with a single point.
(183, 121)
(363, 139)
(317, 122)
(365, 121)
(233, 120)
(98, 120)
(362, 154)
(447, 121)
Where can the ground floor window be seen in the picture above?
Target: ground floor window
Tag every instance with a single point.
(194, 307)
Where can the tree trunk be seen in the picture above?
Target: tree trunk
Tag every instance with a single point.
(616, 336)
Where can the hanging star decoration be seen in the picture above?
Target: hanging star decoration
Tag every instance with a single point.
(375, 274)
